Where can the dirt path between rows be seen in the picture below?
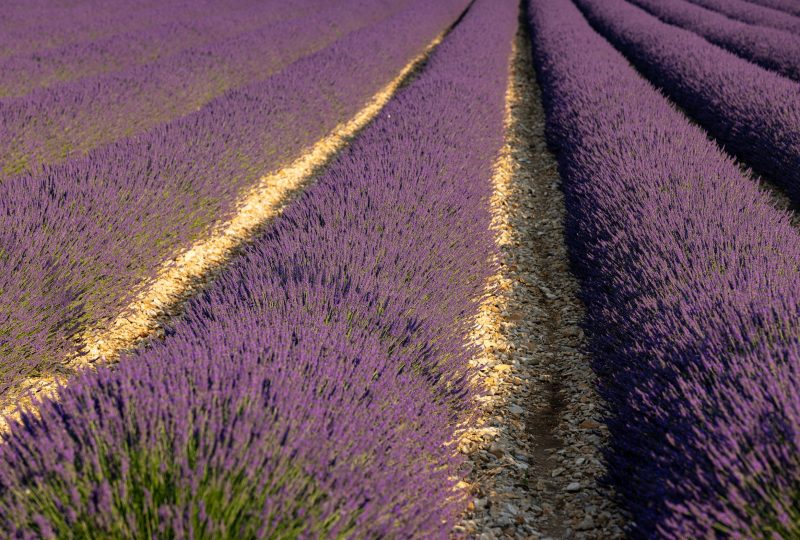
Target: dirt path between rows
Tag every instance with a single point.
(535, 455)
(184, 276)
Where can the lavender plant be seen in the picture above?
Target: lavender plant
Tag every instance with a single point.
(315, 389)
(25, 72)
(787, 6)
(770, 48)
(80, 238)
(31, 26)
(753, 112)
(690, 279)
(52, 124)
(744, 11)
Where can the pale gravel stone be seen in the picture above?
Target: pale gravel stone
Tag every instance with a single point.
(541, 405)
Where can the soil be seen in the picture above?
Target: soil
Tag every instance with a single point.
(535, 453)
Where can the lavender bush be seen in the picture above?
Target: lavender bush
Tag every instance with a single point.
(772, 49)
(690, 279)
(314, 390)
(54, 123)
(79, 238)
(755, 113)
(744, 11)
(787, 6)
(35, 26)
(22, 73)
(28, 26)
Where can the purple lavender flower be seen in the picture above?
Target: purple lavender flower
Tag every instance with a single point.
(772, 49)
(754, 112)
(742, 10)
(314, 390)
(690, 278)
(78, 239)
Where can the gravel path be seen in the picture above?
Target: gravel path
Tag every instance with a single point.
(535, 453)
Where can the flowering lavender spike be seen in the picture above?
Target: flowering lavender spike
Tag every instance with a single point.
(52, 124)
(754, 112)
(772, 49)
(315, 389)
(742, 10)
(81, 238)
(691, 281)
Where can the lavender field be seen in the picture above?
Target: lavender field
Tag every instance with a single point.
(400, 269)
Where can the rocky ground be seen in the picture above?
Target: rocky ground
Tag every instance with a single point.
(535, 456)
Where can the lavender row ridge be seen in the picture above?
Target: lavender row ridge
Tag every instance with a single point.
(315, 389)
(26, 72)
(742, 10)
(81, 238)
(690, 279)
(771, 49)
(30, 27)
(787, 6)
(753, 112)
(67, 120)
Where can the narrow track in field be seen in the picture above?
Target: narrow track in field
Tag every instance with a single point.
(180, 278)
(535, 453)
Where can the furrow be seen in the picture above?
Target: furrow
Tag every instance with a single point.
(769, 48)
(539, 431)
(23, 73)
(786, 6)
(689, 274)
(68, 120)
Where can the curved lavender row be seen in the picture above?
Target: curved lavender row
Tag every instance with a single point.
(31, 26)
(66, 120)
(787, 6)
(79, 239)
(319, 382)
(744, 11)
(755, 113)
(21, 74)
(34, 28)
(690, 279)
(767, 47)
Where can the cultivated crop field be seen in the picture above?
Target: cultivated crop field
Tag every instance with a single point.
(399, 269)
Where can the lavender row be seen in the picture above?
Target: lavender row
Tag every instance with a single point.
(753, 112)
(787, 6)
(67, 120)
(79, 238)
(744, 11)
(772, 49)
(36, 26)
(690, 279)
(314, 390)
(25, 72)
(32, 27)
